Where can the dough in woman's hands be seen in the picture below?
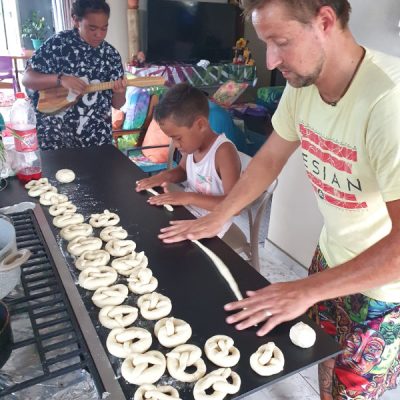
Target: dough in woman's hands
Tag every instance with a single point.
(302, 335)
(221, 351)
(65, 175)
(267, 360)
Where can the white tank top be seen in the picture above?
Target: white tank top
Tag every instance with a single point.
(202, 177)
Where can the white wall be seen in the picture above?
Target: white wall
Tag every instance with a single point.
(117, 34)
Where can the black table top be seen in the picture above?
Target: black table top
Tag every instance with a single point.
(106, 180)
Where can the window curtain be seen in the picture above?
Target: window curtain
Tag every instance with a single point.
(62, 14)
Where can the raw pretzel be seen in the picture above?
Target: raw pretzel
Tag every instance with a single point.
(120, 248)
(81, 244)
(172, 332)
(63, 208)
(122, 342)
(52, 198)
(220, 350)
(113, 232)
(142, 281)
(151, 392)
(92, 278)
(92, 258)
(36, 183)
(127, 265)
(36, 191)
(110, 295)
(183, 357)
(154, 306)
(107, 218)
(71, 232)
(64, 220)
(267, 360)
(218, 382)
(118, 316)
(143, 368)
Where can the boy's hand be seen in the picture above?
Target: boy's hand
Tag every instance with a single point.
(172, 198)
(119, 86)
(149, 183)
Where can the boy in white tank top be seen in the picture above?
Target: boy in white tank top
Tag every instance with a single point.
(210, 164)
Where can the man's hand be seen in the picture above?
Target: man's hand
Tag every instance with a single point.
(74, 84)
(204, 227)
(274, 304)
(119, 86)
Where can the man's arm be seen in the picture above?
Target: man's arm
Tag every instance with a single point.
(38, 81)
(261, 172)
(376, 266)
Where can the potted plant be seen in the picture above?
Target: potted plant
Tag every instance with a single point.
(35, 28)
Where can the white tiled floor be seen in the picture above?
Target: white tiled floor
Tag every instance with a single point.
(277, 266)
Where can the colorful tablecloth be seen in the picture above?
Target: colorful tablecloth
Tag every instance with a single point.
(200, 76)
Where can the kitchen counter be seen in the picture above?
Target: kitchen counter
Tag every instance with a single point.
(106, 180)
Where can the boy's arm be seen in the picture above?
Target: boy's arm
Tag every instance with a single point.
(174, 175)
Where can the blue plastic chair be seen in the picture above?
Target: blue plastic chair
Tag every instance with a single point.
(6, 71)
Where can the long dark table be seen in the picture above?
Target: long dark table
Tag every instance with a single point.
(106, 180)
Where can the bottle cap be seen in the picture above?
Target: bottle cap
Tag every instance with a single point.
(19, 95)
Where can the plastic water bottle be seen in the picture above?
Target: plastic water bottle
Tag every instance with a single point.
(23, 124)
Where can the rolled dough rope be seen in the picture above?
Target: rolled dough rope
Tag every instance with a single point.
(222, 268)
(167, 206)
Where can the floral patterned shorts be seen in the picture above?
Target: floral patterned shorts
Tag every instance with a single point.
(369, 332)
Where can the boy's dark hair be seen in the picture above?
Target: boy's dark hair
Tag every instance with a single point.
(183, 103)
(82, 7)
(304, 10)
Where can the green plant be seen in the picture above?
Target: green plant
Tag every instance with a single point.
(35, 27)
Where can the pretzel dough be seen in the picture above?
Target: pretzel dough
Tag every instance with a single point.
(92, 278)
(63, 208)
(302, 335)
(222, 268)
(172, 332)
(183, 357)
(154, 306)
(65, 175)
(118, 316)
(110, 295)
(123, 342)
(120, 248)
(36, 191)
(151, 392)
(128, 264)
(107, 218)
(220, 350)
(92, 258)
(267, 360)
(71, 232)
(142, 281)
(36, 183)
(143, 368)
(51, 198)
(81, 243)
(218, 382)
(113, 232)
(67, 219)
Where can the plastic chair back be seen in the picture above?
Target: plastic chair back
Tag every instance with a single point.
(6, 71)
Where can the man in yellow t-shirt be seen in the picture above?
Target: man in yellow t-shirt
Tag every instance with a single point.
(341, 107)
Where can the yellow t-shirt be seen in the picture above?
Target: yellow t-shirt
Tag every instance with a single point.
(351, 153)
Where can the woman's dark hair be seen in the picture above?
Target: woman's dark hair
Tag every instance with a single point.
(183, 103)
(82, 7)
(304, 10)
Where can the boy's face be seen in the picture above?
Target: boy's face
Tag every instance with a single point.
(186, 139)
(93, 28)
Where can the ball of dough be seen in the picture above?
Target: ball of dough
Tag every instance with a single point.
(267, 360)
(302, 335)
(110, 295)
(118, 316)
(65, 175)
(186, 356)
(172, 332)
(216, 385)
(143, 368)
(221, 351)
(122, 342)
(92, 278)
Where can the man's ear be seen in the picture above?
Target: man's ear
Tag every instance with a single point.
(76, 21)
(327, 18)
